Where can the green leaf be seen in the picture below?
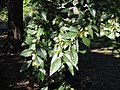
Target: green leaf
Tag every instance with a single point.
(26, 65)
(55, 64)
(69, 64)
(26, 53)
(39, 62)
(71, 28)
(111, 35)
(83, 51)
(74, 54)
(41, 74)
(61, 87)
(92, 11)
(68, 56)
(42, 53)
(88, 1)
(86, 41)
(29, 39)
(69, 35)
(90, 31)
(44, 88)
(95, 27)
(33, 47)
(39, 32)
(32, 32)
(44, 15)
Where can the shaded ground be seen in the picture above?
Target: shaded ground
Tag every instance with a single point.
(98, 70)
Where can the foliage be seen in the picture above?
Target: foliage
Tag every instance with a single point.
(54, 29)
(4, 15)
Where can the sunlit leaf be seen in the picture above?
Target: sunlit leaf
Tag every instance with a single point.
(86, 41)
(112, 35)
(92, 11)
(26, 53)
(69, 64)
(44, 88)
(55, 64)
(44, 15)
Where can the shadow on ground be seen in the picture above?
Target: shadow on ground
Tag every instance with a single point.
(97, 71)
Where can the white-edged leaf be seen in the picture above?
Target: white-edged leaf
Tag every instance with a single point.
(55, 64)
(69, 64)
(26, 53)
(69, 57)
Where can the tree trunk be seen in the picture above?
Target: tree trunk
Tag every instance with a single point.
(15, 21)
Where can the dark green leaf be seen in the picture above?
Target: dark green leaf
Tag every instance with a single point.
(91, 33)
(41, 74)
(26, 65)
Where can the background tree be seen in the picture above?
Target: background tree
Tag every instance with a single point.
(15, 21)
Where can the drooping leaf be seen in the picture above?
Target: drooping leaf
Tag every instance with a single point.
(74, 54)
(92, 11)
(69, 64)
(86, 41)
(55, 64)
(44, 15)
(26, 65)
